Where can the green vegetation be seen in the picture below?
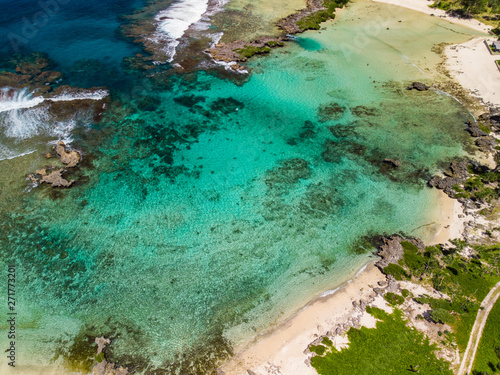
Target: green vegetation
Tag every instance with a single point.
(274, 43)
(249, 51)
(313, 21)
(480, 186)
(394, 299)
(488, 354)
(466, 281)
(390, 348)
(484, 10)
(398, 272)
(100, 357)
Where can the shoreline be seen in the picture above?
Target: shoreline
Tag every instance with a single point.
(422, 6)
(284, 347)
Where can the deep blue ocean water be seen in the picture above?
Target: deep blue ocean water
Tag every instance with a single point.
(207, 208)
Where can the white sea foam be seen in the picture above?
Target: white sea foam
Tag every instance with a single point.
(6, 153)
(84, 95)
(176, 19)
(11, 99)
(23, 116)
(182, 15)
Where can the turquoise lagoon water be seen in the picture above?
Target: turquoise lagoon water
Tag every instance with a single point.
(207, 209)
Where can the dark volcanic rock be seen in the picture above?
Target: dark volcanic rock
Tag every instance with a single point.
(391, 250)
(473, 129)
(486, 143)
(418, 86)
(456, 175)
(458, 169)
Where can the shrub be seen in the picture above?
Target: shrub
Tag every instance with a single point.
(397, 271)
(394, 299)
(442, 316)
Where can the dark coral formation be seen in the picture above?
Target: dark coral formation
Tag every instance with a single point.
(331, 111)
(419, 86)
(289, 172)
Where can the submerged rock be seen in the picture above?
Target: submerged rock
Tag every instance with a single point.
(331, 111)
(53, 178)
(70, 158)
(418, 86)
(289, 172)
(392, 162)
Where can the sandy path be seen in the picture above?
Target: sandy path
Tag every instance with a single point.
(477, 330)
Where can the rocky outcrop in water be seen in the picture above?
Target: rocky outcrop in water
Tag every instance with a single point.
(418, 86)
(103, 367)
(291, 23)
(308, 18)
(474, 130)
(53, 177)
(392, 162)
(240, 51)
(70, 158)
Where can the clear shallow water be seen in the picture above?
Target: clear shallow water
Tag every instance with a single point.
(209, 210)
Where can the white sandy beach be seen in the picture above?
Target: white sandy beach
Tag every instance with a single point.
(472, 65)
(281, 352)
(423, 7)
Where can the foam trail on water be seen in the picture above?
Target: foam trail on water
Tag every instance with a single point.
(6, 153)
(175, 20)
(92, 95)
(22, 117)
(11, 99)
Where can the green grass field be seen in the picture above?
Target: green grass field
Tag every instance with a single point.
(390, 348)
(488, 354)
